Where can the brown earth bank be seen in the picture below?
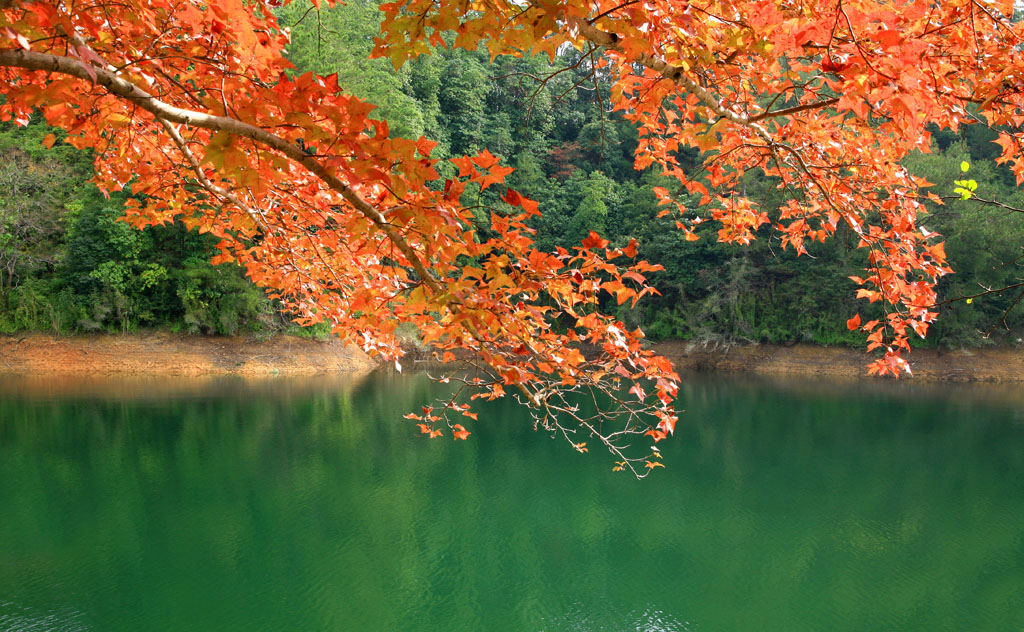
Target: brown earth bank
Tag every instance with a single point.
(163, 353)
(992, 364)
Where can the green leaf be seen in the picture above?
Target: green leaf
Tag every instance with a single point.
(964, 166)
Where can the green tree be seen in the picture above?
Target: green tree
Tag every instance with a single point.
(338, 40)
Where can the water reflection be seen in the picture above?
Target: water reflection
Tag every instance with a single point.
(310, 504)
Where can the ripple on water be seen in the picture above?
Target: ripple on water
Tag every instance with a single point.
(15, 618)
(582, 617)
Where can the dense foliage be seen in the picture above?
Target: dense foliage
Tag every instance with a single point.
(67, 265)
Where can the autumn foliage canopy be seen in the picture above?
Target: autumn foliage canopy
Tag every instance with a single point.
(194, 105)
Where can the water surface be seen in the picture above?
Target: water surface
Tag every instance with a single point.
(299, 504)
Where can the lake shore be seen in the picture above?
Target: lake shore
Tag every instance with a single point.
(164, 353)
(991, 364)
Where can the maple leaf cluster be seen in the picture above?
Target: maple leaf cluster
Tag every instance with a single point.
(195, 107)
(825, 97)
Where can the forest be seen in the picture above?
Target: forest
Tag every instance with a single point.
(68, 265)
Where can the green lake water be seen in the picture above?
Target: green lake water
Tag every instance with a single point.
(308, 504)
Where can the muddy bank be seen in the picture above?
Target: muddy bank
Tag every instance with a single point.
(974, 365)
(163, 353)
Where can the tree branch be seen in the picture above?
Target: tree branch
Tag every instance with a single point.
(795, 109)
(977, 198)
(31, 60)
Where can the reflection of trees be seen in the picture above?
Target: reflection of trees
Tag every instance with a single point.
(290, 506)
